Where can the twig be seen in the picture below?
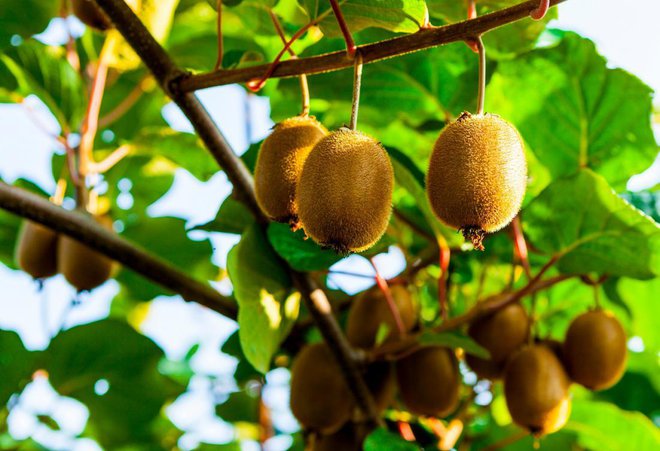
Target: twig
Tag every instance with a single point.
(423, 39)
(343, 26)
(83, 229)
(126, 104)
(108, 162)
(445, 255)
(520, 245)
(357, 84)
(540, 12)
(385, 289)
(481, 93)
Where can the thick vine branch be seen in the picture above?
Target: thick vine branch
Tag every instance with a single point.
(80, 227)
(423, 39)
(168, 75)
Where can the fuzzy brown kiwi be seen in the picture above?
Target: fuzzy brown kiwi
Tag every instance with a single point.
(501, 334)
(320, 398)
(345, 191)
(280, 163)
(370, 310)
(83, 267)
(429, 381)
(477, 175)
(36, 250)
(536, 390)
(595, 350)
(91, 14)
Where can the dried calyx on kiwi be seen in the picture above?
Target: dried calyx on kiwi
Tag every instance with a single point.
(83, 267)
(36, 250)
(280, 163)
(345, 191)
(429, 381)
(501, 334)
(536, 390)
(477, 175)
(91, 14)
(320, 398)
(595, 350)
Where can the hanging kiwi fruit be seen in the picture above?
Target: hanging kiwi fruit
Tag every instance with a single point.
(89, 13)
(83, 267)
(477, 174)
(536, 390)
(595, 350)
(36, 250)
(370, 311)
(501, 334)
(345, 190)
(280, 163)
(429, 381)
(320, 398)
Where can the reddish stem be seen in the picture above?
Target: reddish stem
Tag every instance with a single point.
(521, 245)
(445, 255)
(406, 431)
(384, 287)
(472, 14)
(540, 12)
(350, 44)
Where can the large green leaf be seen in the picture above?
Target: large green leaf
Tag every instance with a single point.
(384, 440)
(570, 109)
(302, 254)
(41, 70)
(604, 427)
(641, 299)
(583, 222)
(404, 16)
(16, 365)
(25, 18)
(267, 306)
(232, 217)
(112, 369)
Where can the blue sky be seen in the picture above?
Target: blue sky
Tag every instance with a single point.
(25, 151)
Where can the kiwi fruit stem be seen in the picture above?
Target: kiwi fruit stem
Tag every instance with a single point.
(382, 286)
(357, 83)
(481, 93)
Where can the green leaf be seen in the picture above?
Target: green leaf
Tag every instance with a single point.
(604, 427)
(568, 106)
(240, 406)
(302, 254)
(232, 217)
(34, 68)
(405, 16)
(9, 227)
(454, 340)
(16, 365)
(384, 440)
(641, 299)
(267, 307)
(583, 222)
(113, 370)
(244, 370)
(25, 18)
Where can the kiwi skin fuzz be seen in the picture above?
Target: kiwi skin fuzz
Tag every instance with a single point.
(320, 398)
(89, 13)
(370, 310)
(536, 390)
(477, 175)
(36, 250)
(595, 350)
(429, 381)
(501, 334)
(345, 191)
(280, 163)
(83, 267)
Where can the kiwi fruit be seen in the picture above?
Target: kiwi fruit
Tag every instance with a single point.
(500, 334)
(280, 163)
(536, 390)
(595, 350)
(36, 250)
(345, 191)
(477, 175)
(83, 267)
(429, 381)
(320, 397)
(370, 310)
(91, 14)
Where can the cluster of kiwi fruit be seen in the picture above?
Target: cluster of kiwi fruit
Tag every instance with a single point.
(427, 378)
(89, 13)
(42, 253)
(336, 185)
(537, 376)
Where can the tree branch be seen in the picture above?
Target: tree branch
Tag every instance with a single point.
(80, 227)
(167, 73)
(423, 39)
